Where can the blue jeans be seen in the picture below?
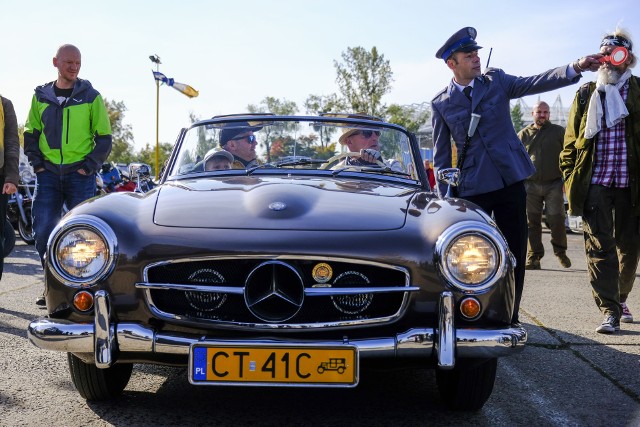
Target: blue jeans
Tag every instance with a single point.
(51, 193)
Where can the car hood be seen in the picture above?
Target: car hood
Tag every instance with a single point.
(283, 203)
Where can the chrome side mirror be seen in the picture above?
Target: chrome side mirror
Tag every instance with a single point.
(451, 177)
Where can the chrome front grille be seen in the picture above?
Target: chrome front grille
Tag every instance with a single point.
(276, 292)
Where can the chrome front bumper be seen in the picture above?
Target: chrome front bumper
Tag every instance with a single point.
(105, 339)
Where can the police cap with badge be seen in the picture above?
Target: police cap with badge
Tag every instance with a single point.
(463, 40)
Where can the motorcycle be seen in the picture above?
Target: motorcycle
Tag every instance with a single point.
(141, 174)
(19, 207)
(135, 178)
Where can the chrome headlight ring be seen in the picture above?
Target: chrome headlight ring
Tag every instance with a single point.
(480, 248)
(82, 250)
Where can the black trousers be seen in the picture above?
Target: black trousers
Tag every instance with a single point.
(508, 206)
(3, 215)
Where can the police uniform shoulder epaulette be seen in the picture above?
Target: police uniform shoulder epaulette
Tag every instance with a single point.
(491, 70)
(439, 94)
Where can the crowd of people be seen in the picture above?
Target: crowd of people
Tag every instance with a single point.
(67, 137)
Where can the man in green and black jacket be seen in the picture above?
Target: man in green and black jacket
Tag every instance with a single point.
(67, 137)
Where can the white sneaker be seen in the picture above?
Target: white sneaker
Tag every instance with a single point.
(609, 325)
(626, 316)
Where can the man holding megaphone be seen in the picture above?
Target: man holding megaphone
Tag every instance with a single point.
(600, 163)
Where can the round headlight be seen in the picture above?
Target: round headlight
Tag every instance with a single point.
(472, 255)
(471, 259)
(82, 251)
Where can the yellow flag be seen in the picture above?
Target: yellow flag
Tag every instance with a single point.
(180, 87)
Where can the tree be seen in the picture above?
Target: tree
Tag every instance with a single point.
(317, 104)
(409, 117)
(275, 106)
(516, 118)
(205, 139)
(363, 79)
(21, 135)
(122, 136)
(148, 155)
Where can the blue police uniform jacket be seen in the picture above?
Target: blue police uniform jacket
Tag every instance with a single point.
(495, 157)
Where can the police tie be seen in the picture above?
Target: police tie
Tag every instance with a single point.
(467, 92)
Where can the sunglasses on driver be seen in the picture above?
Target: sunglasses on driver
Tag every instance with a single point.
(367, 133)
(250, 138)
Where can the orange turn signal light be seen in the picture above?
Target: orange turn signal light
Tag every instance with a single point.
(83, 301)
(470, 308)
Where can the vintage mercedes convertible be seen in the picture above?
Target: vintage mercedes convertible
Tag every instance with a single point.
(325, 253)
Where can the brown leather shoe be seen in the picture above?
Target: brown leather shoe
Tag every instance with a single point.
(533, 264)
(564, 260)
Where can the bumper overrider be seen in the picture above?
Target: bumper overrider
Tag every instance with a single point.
(106, 339)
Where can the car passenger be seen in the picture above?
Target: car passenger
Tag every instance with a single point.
(217, 159)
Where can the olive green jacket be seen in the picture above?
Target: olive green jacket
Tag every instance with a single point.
(544, 145)
(576, 158)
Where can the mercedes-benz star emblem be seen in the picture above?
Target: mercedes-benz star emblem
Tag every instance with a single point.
(278, 206)
(274, 291)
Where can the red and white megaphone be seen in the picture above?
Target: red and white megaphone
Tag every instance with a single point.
(617, 56)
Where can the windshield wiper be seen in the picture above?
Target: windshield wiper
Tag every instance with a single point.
(385, 169)
(300, 162)
(262, 166)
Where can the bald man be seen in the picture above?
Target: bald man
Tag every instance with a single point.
(67, 137)
(543, 141)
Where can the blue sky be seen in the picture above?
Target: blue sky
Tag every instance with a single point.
(238, 52)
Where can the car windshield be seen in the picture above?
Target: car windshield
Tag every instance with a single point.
(264, 144)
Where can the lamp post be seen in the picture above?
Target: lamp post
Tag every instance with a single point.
(156, 60)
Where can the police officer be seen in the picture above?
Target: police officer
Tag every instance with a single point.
(496, 163)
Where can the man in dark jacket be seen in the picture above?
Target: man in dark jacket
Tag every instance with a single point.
(496, 163)
(600, 163)
(67, 137)
(543, 141)
(9, 155)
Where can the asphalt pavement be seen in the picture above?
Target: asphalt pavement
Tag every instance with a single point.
(568, 375)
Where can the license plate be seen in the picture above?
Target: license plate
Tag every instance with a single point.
(214, 363)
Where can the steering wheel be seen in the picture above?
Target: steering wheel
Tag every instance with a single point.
(344, 155)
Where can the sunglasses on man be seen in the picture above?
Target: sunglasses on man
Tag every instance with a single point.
(250, 138)
(367, 133)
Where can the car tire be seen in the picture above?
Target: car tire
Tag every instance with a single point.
(9, 238)
(26, 230)
(467, 386)
(95, 384)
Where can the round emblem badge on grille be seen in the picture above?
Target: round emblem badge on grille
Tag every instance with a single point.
(277, 206)
(353, 303)
(274, 291)
(206, 301)
(322, 272)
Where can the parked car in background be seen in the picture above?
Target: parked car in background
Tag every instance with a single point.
(296, 271)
